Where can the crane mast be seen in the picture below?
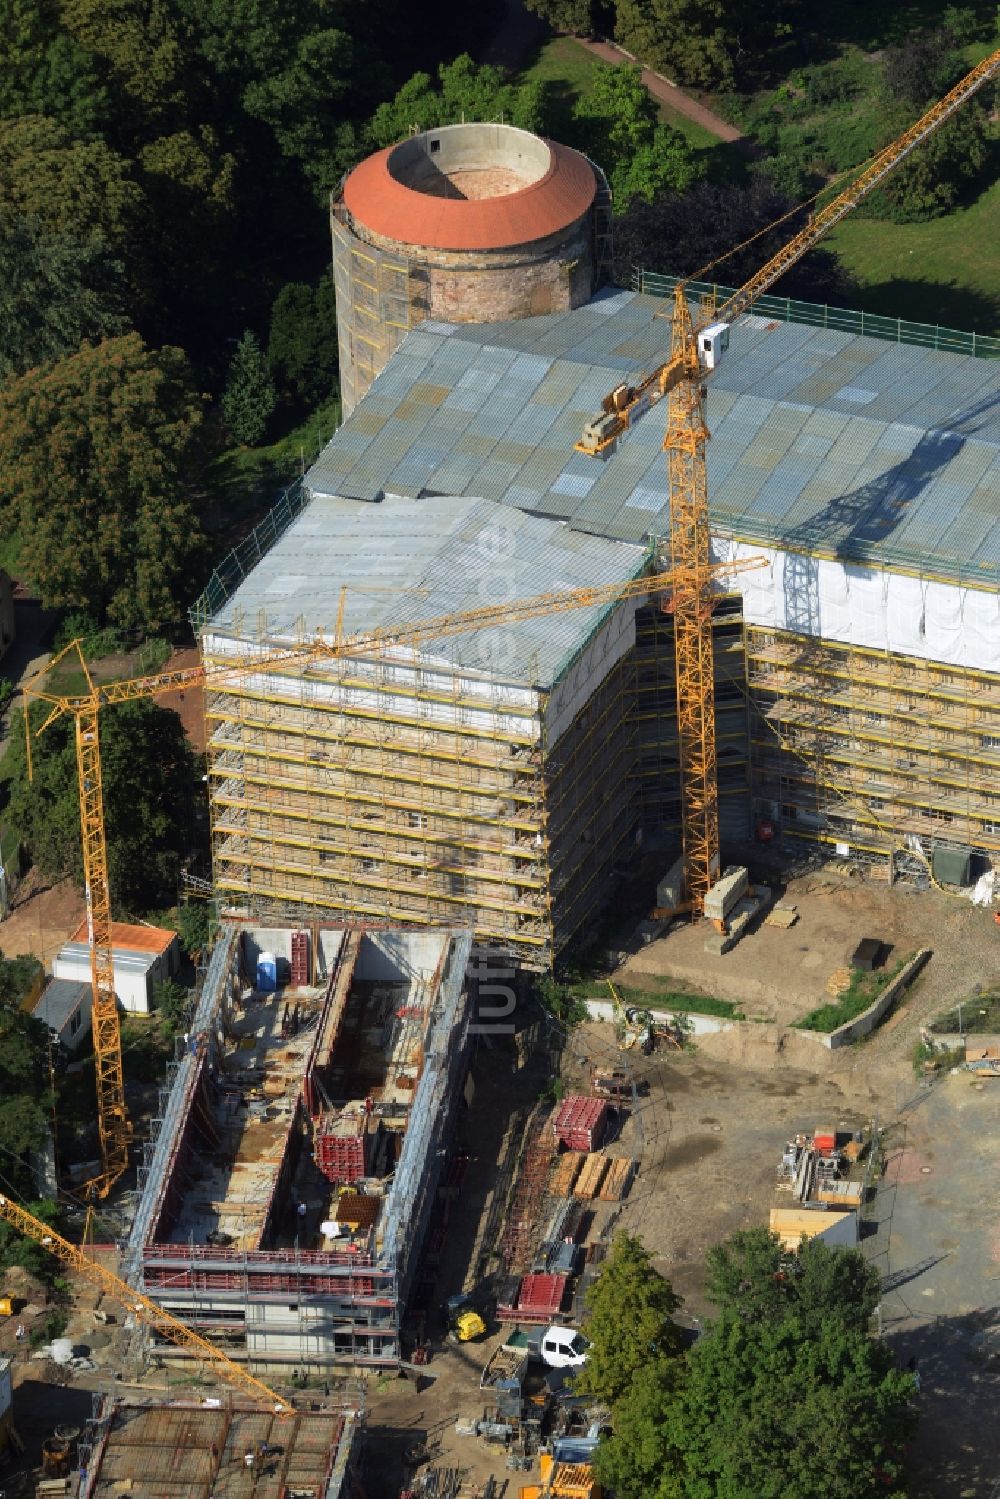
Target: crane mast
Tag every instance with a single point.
(691, 607)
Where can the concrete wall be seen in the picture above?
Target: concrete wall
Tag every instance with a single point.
(701, 1025)
(470, 147)
(865, 1023)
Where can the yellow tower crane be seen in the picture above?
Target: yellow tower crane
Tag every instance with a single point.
(142, 1307)
(695, 349)
(85, 709)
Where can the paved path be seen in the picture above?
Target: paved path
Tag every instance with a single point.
(668, 93)
(521, 30)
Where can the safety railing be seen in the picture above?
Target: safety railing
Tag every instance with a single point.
(841, 319)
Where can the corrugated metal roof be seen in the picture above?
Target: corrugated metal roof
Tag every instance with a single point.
(819, 438)
(412, 559)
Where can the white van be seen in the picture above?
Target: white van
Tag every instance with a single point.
(563, 1348)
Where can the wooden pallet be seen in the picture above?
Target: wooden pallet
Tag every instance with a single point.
(565, 1174)
(618, 1180)
(588, 1183)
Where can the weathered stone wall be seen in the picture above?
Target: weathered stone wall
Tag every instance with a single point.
(554, 274)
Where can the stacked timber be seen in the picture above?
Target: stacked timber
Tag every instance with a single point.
(618, 1180)
(589, 1181)
(565, 1174)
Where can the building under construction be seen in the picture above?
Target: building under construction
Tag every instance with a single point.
(219, 1450)
(292, 1172)
(506, 779)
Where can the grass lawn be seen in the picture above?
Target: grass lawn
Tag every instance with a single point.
(863, 990)
(567, 69)
(657, 995)
(943, 271)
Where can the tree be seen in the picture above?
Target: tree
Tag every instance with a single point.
(24, 1076)
(921, 69)
(629, 1321)
(194, 926)
(751, 1276)
(302, 343)
(97, 459)
(786, 1395)
(687, 37)
(704, 42)
(464, 90)
(934, 177)
(143, 47)
(769, 1410)
(151, 789)
(17, 978)
(637, 1461)
(54, 293)
(620, 129)
(66, 185)
(576, 17)
(172, 1003)
(46, 71)
(249, 399)
(306, 104)
(683, 235)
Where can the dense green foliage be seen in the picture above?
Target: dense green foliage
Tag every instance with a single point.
(618, 126)
(786, 1395)
(24, 1077)
(704, 42)
(97, 461)
(629, 1321)
(692, 233)
(56, 292)
(302, 343)
(461, 90)
(249, 398)
(151, 790)
(17, 1250)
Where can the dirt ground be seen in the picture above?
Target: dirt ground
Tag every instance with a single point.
(44, 916)
(779, 975)
(708, 1136)
(188, 702)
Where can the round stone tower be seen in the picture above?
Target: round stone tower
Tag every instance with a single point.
(466, 224)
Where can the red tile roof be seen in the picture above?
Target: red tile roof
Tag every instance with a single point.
(128, 938)
(388, 208)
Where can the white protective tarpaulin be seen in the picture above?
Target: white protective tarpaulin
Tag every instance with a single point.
(868, 606)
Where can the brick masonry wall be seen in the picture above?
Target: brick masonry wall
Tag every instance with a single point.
(554, 274)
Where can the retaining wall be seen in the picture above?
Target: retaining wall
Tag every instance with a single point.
(865, 1023)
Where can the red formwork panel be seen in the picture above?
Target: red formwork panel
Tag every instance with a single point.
(300, 960)
(581, 1122)
(541, 1297)
(342, 1158)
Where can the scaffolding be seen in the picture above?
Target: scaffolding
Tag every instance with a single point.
(657, 766)
(242, 1116)
(873, 751)
(418, 793)
(381, 295)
